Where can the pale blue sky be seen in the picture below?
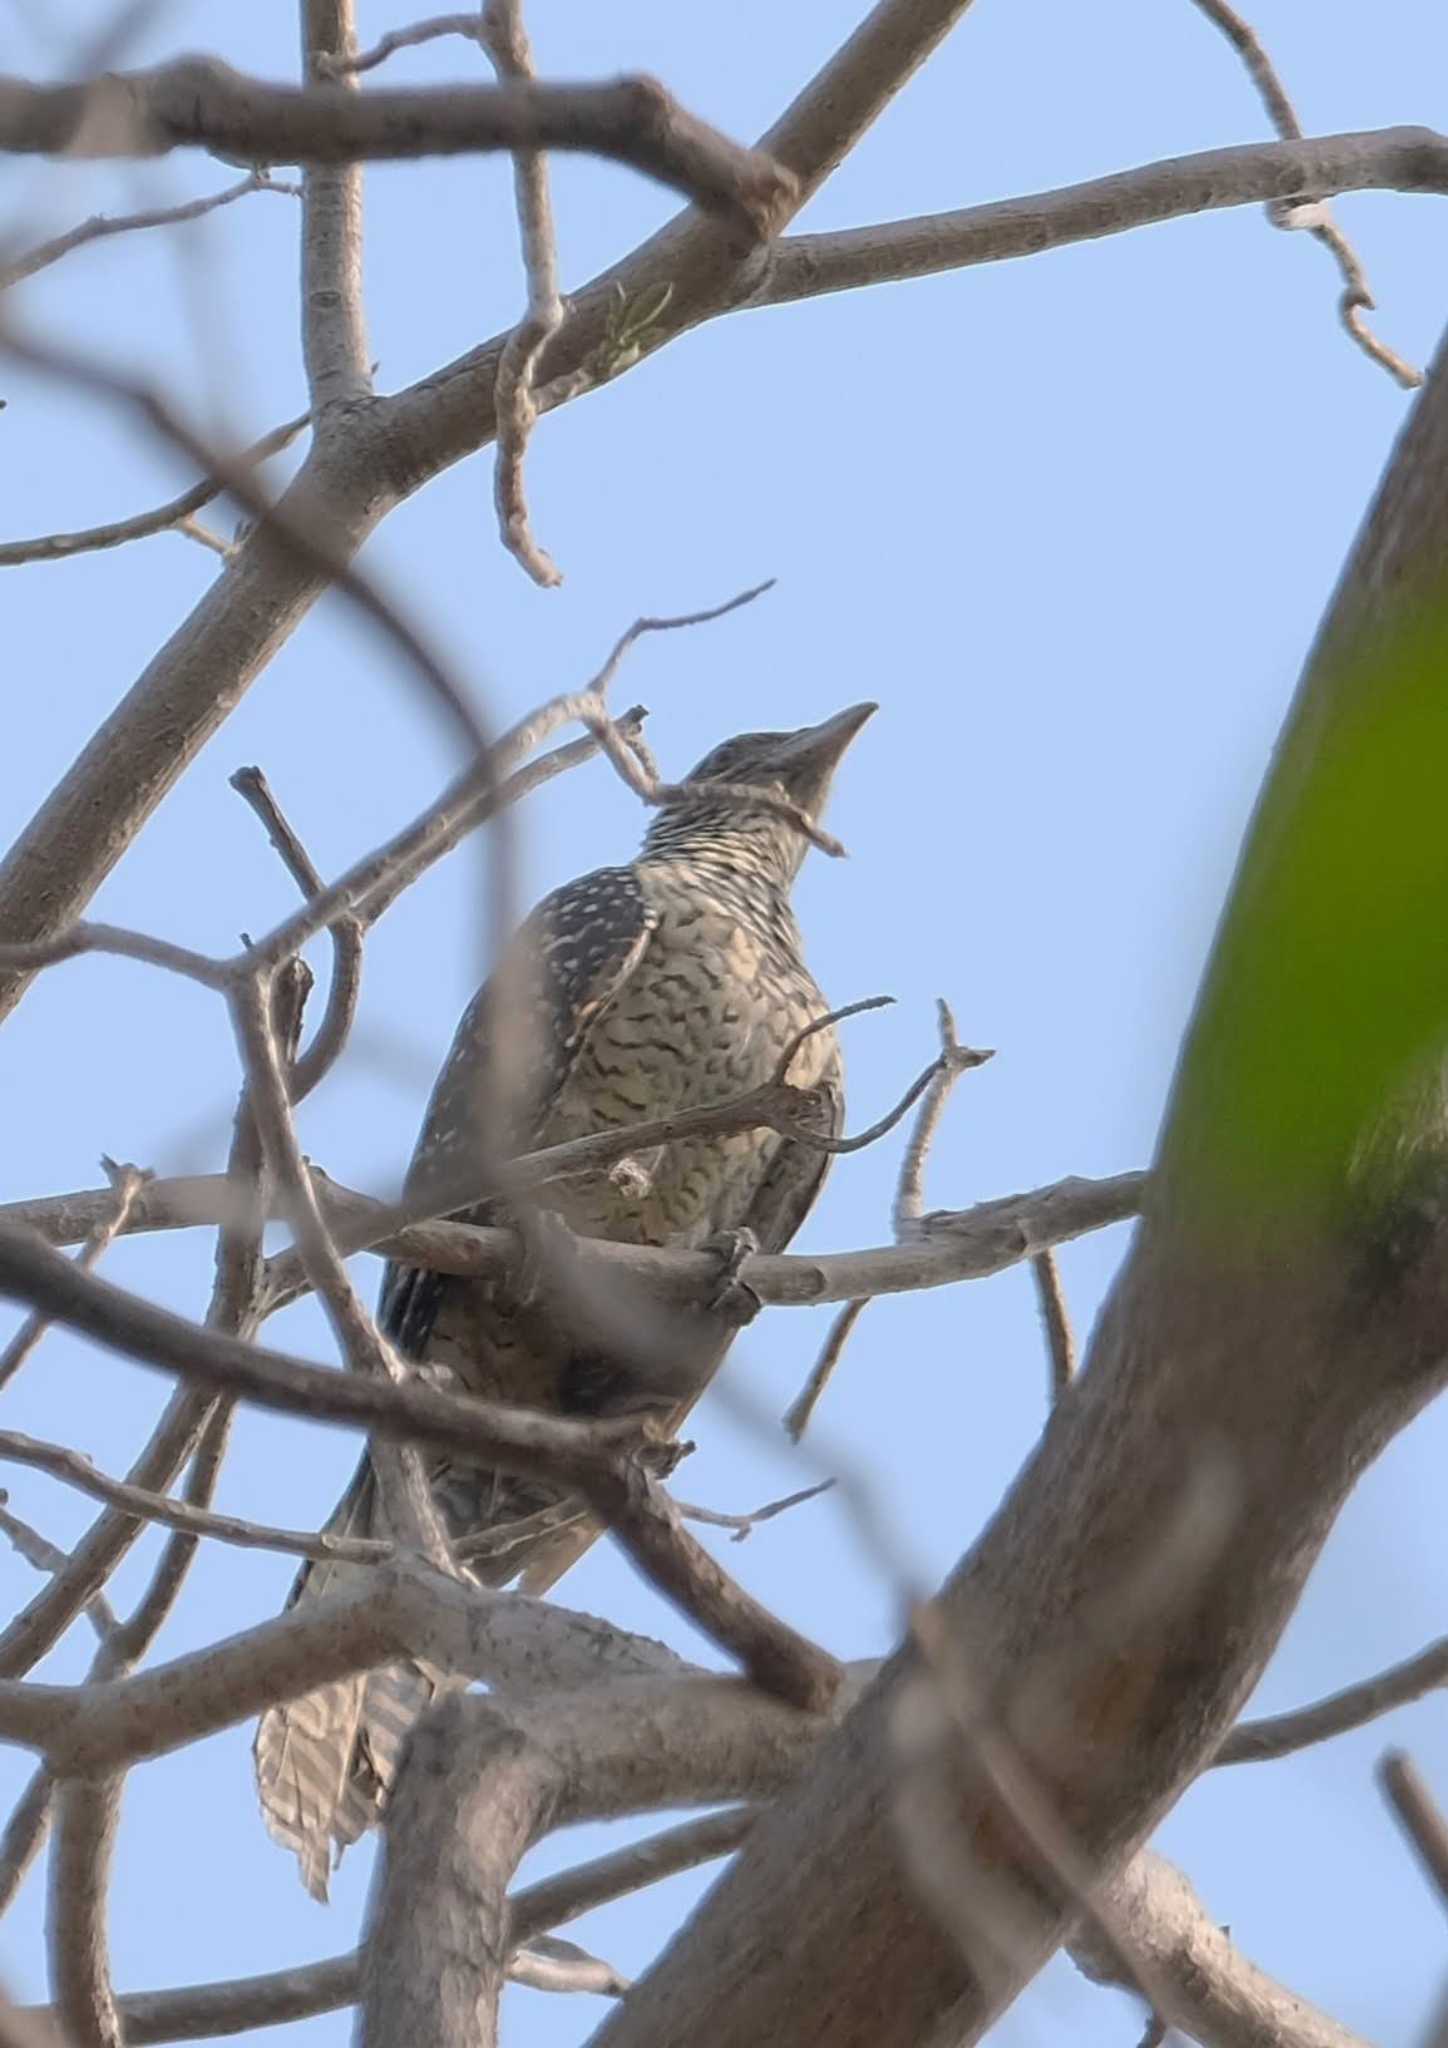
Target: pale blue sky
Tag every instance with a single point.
(1072, 521)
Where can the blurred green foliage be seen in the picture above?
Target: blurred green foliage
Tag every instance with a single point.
(1327, 996)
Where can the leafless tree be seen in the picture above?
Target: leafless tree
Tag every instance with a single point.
(941, 1823)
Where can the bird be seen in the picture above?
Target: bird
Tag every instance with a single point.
(673, 982)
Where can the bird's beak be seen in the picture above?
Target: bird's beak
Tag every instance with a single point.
(823, 746)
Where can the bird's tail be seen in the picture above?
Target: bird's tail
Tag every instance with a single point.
(325, 1763)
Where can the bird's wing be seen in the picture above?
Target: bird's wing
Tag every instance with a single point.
(784, 1198)
(575, 953)
(325, 1763)
(796, 1173)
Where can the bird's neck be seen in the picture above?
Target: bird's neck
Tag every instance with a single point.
(729, 839)
(743, 874)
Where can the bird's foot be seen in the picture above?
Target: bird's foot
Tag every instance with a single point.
(733, 1297)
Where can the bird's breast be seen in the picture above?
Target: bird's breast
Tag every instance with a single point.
(704, 1018)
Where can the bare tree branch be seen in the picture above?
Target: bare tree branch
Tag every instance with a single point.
(75, 838)
(647, 1524)
(469, 803)
(1055, 1320)
(512, 1439)
(100, 226)
(24, 1835)
(57, 547)
(956, 1244)
(506, 41)
(1278, 1735)
(87, 1814)
(94, 812)
(74, 1469)
(1313, 214)
(199, 102)
(88, 1806)
(553, 1901)
(399, 1610)
(480, 1785)
(334, 322)
(1418, 1813)
(126, 1183)
(745, 1525)
(1377, 160)
(563, 1966)
(44, 1621)
(121, 944)
(797, 1415)
(955, 1059)
(46, 1556)
(205, 2010)
(332, 1033)
(77, 1470)
(190, 1416)
(850, 91)
(1276, 1306)
(469, 25)
(498, 767)
(1208, 1987)
(205, 538)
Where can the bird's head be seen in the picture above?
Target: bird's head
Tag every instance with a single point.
(800, 765)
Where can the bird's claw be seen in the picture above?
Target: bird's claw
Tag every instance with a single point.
(733, 1297)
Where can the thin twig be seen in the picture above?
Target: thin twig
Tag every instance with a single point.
(469, 25)
(530, 1443)
(410, 1509)
(955, 1060)
(1055, 1320)
(797, 1415)
(346, 934)
(506, 41)
(141, 1627)
(191, 1415)
(126, 1184)
(76, 1470)
(44, 1556)
(745, 1525)
(776, 1105)
(120, 943)
(25, 1833)
(1406, 1791)
(1309, 213)
(303, 534)
(47, 1617)
(495, 770)
(193, 529)
(99, 226)
(58, 547)
(470, 802)
(243, 2003)
(88, 1807)
(1279, 1735)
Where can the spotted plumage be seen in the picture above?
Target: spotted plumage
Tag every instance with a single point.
(668, 984)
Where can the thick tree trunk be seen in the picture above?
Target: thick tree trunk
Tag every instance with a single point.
(1283, 1314)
